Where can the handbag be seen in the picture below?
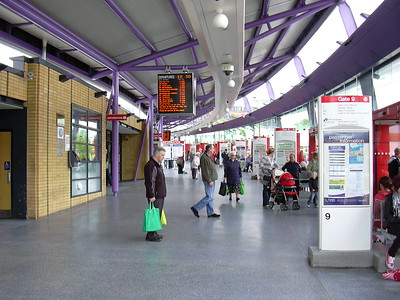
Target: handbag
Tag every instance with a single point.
(241, 191)
(152, 220)
(223, 188)
(163, 218)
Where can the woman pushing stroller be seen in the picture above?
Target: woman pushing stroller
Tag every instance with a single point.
(267, 163)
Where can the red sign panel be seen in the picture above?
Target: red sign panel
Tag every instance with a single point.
(116, 117)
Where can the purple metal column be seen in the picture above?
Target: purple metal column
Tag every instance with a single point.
(115, 136)
(150, 118)
(270, 90)
(246, 104)
(160, 125)
(299, 67)
(347, 18)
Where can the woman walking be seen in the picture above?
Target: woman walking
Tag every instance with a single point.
(233, 175)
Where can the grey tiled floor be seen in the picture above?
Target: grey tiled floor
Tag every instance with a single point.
(97, 251)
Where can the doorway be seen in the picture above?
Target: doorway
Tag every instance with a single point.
(5, 175)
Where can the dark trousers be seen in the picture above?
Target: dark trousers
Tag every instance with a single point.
(194, 173)
(180, 169)
(108, 177)
(394, 228)
(266, 194)
(159, 203)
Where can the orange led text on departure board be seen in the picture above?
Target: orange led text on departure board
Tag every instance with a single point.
(175, 93)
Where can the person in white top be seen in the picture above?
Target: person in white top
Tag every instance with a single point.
(267, 163)
(195, 165)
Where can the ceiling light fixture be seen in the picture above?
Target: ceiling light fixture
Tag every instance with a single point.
(231, 83)
(220, 21)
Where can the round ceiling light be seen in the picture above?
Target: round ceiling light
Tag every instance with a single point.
(220, 21)
(231, 83)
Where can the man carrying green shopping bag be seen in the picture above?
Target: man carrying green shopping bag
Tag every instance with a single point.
(156, 190)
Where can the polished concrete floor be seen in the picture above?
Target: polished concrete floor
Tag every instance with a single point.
(98, 251)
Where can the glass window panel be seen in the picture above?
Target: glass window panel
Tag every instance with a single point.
(94, 153)
(79, 135)
(94, 185)
(79, 172)
(92, 134)
(94, 169)
(79, 116)
(79, 187)
(385, 80)
(94, 120)
(81, 151)
(86, 141)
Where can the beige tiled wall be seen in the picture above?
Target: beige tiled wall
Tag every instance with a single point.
(48, 174)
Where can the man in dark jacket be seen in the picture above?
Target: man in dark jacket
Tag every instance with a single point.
(209, 175)
(156, 190)
(394, 163)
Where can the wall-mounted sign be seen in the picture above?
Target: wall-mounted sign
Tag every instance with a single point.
(116, 117)
(60, 132)
(176, 94)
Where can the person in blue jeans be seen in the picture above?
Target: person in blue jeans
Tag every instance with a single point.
(313, 183)
(209, 175)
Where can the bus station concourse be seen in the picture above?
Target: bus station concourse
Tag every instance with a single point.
(85, 105)
(98, 251)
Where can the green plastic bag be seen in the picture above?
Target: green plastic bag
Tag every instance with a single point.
(151, 221)
(241, 192)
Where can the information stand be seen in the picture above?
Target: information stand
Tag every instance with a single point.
(285, 144)
(345, 183)
(345, 139)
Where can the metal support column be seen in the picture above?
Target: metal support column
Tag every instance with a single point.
(115, 136)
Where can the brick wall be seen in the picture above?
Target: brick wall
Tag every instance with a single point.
(48, 174)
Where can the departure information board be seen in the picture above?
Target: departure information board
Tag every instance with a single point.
(176, 94)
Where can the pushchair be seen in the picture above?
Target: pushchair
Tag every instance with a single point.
(283, 186)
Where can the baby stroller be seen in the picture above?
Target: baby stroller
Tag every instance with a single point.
(283, 185)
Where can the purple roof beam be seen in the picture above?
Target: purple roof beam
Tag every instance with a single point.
(317, 5)
(286, 24)
(299, 67)
(165, 52)
(265, 6)
(282, 34)
(115, 8)
(34, 15)
(176, 67)
(347, 18)
(187, 33)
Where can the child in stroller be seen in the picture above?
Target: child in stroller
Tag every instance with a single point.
(283, 185)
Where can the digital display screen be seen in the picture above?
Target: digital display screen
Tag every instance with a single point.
(176, 94)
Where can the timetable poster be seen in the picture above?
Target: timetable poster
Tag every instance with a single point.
(285, 144)
(260, 149)
(345, 167)
(177, 150)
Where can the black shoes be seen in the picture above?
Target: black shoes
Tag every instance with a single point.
(237, 199)
(214, 215)
(195, 212)
(154, 239)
